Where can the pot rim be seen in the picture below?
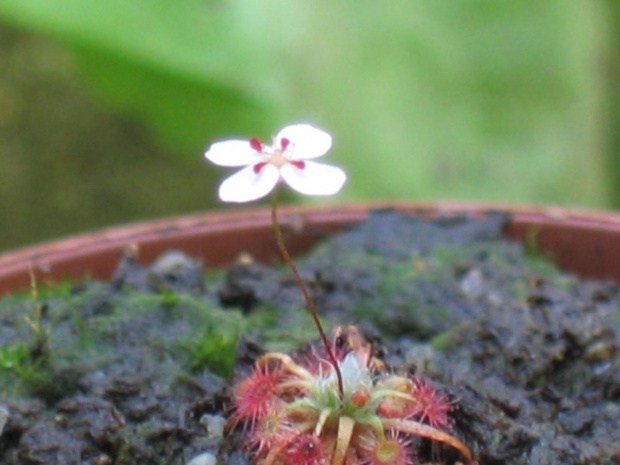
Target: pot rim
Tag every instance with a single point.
(217, 237)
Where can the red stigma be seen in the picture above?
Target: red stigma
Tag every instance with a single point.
(259, 166)
(256, 145)
(284, 143)
(298, 164)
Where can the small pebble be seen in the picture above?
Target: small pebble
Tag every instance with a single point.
(214, 425)
(419, 354)
(4, 417)
(206, 458)
(472, 283)
(598, 351)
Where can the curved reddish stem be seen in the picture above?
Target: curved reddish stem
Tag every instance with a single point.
(419, 429)
(304, 289)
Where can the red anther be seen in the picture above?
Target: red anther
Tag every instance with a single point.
(298, 164)
(259, 166)
(256, 145)
(284, 142)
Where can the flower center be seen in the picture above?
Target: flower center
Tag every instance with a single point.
(276, 157)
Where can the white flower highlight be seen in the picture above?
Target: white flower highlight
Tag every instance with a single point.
(285, 160)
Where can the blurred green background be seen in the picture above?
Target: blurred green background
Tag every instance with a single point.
(107, 106)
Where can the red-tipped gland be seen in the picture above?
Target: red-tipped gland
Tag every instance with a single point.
(394, 406)
(284, 143)
(256, 396)
(256, 145)
(430, 406)
(392, 450)
(307, 449)
(360, 397)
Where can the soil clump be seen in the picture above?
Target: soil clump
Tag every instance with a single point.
(139, 369)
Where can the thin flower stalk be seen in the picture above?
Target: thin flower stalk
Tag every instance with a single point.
(304, 289)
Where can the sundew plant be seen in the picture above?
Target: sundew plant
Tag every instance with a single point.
(336, 404)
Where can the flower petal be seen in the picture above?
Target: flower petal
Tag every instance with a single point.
(314, 178)
(306, 141)
(246, 185)
(232, 153)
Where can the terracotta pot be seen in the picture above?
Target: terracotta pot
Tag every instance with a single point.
(587, 243)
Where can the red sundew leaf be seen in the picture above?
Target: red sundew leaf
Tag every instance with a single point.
(270, 431)
(256, 396)
(431, 406)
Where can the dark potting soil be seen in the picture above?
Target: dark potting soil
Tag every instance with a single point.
(139, 370)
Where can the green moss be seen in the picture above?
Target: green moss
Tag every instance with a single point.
(21, 372)
(16, 368)
(213, 350)
(213, 342)
(396, 306)
(13, 356)
(55, 290)
(442, 341)
(423, 295)
(93, 329)
(90, 329)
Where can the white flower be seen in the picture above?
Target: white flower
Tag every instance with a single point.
(285, 160)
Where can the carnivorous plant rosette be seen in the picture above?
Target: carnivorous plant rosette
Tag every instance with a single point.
(294, 414)
(288, 159)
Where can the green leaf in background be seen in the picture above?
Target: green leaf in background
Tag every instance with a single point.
(186, 111)
(467, 99)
